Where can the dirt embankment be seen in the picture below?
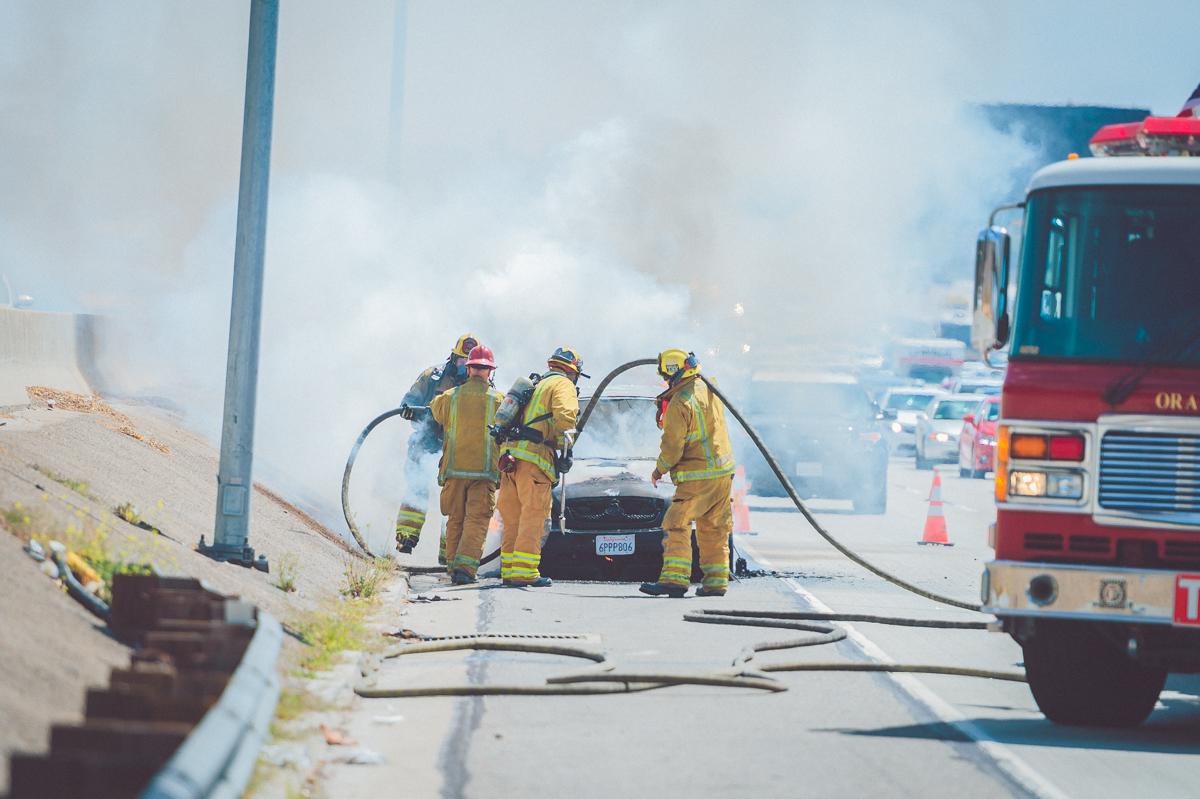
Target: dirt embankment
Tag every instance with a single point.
(63, 475)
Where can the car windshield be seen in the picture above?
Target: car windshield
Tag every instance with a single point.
(991, 412)
(620, 428)
(909, 402)
(845, 400)
(967, 387)
(953, 409)
(1110, 273)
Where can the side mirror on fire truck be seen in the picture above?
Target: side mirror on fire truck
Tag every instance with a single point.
(990, 319)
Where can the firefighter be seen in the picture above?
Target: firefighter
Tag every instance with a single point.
(425, 440)
(469, 471)
(696, 451)
(530, 467)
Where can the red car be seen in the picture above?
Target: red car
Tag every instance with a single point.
(977, 443)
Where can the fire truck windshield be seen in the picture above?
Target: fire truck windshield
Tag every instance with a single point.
(1110, 273)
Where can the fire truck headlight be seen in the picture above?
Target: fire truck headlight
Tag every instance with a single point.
(1040, 484)
(1027, 484)
(1064, 486)
(896, 427)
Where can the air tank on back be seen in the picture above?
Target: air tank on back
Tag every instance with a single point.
(514, 401)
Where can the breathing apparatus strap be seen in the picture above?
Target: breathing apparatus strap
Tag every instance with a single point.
(523, 432)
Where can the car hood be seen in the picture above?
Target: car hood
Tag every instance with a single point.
(987, 429)
(951, 426)
(613, 477)
(907, 417)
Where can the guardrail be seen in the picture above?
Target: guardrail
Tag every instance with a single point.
(185, 720)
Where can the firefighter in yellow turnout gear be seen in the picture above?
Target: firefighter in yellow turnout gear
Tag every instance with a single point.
(426, 439)
(530, 469)
(696, 451)
(469, 471)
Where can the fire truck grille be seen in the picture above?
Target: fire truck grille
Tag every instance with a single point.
(1156, 474)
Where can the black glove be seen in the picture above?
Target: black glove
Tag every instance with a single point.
(409, 412)
(564, 462)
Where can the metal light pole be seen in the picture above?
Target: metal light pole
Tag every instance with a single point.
(235, 482)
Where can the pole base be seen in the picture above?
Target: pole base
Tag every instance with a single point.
(242, 556)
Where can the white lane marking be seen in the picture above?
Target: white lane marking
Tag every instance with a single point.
(1006, 760)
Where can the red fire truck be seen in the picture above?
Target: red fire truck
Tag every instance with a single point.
(1097, 533)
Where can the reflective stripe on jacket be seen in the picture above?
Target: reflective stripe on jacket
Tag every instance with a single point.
(468, 450)
(556, 395)
(695, 441)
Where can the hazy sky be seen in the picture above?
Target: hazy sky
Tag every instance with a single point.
(615, 175)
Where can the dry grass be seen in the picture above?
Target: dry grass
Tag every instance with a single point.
(70, 401)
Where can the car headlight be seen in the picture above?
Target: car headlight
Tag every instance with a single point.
(896, 427)
(987, 442)
(943, 437)
(1059, 485)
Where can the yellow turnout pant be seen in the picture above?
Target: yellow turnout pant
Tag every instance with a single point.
(705, 502)
(468, 506)
(525, 505)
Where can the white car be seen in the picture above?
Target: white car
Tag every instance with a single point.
(909, 403)
(939, 428)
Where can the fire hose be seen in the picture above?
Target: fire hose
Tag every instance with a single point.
(605, 679)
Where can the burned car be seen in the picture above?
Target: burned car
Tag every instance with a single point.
(613, 514)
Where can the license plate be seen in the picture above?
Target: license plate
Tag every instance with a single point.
(1187, 599)
(808, 469)
(608, 545)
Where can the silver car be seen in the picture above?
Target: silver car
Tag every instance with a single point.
(939, 426)
(908, 402)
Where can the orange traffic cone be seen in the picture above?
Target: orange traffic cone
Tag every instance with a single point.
(935, 522)
(741, 512)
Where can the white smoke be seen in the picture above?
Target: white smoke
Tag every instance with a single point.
(613, 177)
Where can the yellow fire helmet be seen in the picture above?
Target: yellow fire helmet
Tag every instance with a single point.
(567, 358)
(675, 365)
(464, 346)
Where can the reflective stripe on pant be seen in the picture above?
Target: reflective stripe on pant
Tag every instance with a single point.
(409, 522)
(524, 505)
(468, 507)
(707, 503)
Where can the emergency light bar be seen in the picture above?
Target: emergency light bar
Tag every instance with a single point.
(1151, 136)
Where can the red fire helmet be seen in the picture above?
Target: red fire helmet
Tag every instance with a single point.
(481, 356)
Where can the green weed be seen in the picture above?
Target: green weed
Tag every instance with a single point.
(364, 578)
(287, 569)
(338, 627)
(78, 486)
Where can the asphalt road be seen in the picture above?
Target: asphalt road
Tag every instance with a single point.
(831, 734)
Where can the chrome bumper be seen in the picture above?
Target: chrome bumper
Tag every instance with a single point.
(1079, 592)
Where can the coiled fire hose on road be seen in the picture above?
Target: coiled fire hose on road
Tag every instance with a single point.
(605, 679)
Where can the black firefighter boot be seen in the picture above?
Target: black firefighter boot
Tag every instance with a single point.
(664, 589)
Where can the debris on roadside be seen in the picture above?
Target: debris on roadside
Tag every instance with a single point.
(336, 737)
(404, 633)
(70, 401)
(360, 755)
(430, 598)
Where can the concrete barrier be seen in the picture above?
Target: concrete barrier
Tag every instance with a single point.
(42, 348)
